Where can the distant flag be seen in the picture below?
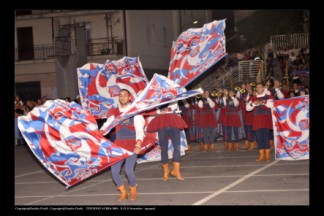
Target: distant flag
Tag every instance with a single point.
(99, 84)
(65, 139)
(291, 128)
(195, 51)
(159, 91)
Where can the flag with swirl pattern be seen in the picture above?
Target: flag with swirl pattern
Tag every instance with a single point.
(195, 51)
(65, 139)
(159, 91)
(99, 84)
(291, 128)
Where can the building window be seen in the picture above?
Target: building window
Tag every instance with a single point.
(25, 43)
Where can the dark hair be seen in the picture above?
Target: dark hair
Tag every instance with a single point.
(125, 91)
(19, 111)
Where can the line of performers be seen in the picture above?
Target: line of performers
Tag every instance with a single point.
(243, 113)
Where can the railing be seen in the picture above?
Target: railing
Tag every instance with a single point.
(290, 41)
(245, 72)
(39, 52)
(42, 52)
(251, 71)
(105, 48)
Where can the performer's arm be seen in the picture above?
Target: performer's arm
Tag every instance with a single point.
(250, 106)
(236, 102)
(279, 93)
(269, 103)
(211, 103)
(186, 104)
(139, 123)
(103, 128)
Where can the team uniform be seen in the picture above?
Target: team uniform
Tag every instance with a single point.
(262, 122)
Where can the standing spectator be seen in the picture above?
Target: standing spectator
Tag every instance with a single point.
(17, 100)
(19, 140)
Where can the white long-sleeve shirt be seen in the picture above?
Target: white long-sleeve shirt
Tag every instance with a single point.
(210, 102)
(139, 123)
(235, 101)
(250, 105)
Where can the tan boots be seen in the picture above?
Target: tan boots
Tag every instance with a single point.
(261, 156)
(201, 146)
(264, 155)
(189, 148)
(246, 145)
(133, 192)
(206, 147)
(225, 146)
(176, 171)
(230, 146)
(253, 146)
(237, 146)
(166, 171)
(267, 154)
(212, 148)
(123, 193)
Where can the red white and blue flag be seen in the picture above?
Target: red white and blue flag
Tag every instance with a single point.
(65, 139)
(291, 128)
(99, 84)
(159, 91)
(195, 51)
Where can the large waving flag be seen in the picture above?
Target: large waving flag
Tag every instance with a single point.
(65, 139)
(99, 84)
(196, 50)
(291, 128)
(159, 91)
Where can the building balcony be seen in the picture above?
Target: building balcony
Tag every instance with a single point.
(39, 52)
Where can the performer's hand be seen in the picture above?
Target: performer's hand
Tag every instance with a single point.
(164, 111)
(101, 132)
(256, 103)
(137, 149)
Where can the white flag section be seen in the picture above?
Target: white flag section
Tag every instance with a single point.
(159, 91)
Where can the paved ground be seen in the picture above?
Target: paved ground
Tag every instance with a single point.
(221, 178)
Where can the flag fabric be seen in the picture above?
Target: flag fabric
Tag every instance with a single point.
(99, 84)
(65, 139)
(154, 154)
(195, 51)
(159, 91)
(291, 128)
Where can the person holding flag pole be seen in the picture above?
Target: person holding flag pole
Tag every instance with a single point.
(129, 135)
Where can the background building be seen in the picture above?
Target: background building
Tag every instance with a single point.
(51, 44)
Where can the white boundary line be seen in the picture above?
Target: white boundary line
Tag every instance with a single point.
(31, 173)
(193, 177)
(239, 165)
(61, 194)
(257, 191)
(200, 202)
(170, 193)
